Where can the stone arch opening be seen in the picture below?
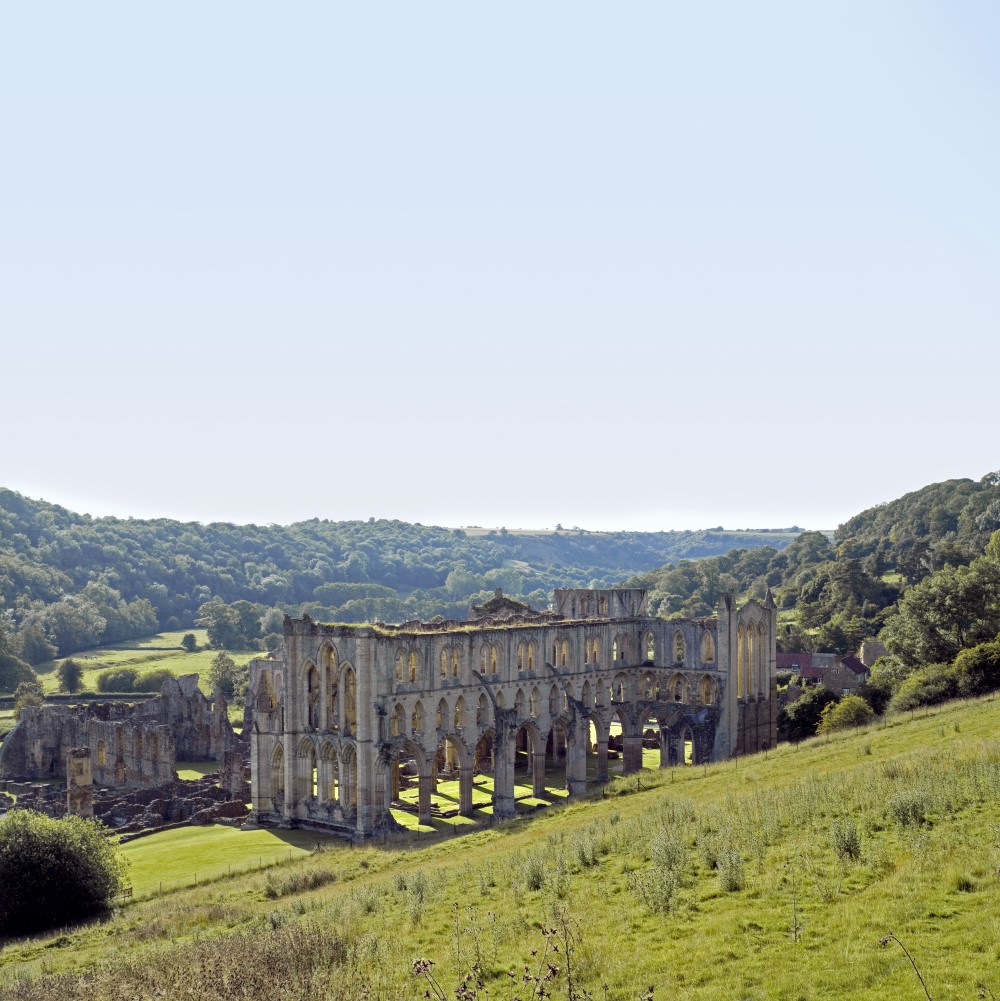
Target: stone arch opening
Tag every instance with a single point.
(649, 647)
(706, 690)
(306, 772)
(647, 686)
(482, 710)
(680, 649)
(278, 778)
(102, 754)
(707, 648)
(312, 696)
(349, 708)
(348, 777)
(520, 706)
(688, 746)
(329, 775)
(678, 688)
(442, 716)
(482, 755)
(418, 719)
(397, 724)
(458, 718)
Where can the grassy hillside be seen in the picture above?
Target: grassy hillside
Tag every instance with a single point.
(163, 650)
(771, 877)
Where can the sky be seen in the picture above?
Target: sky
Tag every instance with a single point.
(623, 266)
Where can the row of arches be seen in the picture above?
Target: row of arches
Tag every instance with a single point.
(330, 695)
(320, 779)
(409, 663)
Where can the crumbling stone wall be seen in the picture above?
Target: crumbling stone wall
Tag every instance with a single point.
(136, 747)
(336, 716)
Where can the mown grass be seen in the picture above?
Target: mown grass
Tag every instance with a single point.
(187, 855)
(766, 877)
(163, 650)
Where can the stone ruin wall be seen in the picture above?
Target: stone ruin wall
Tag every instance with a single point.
(344, 706)
(119, 761)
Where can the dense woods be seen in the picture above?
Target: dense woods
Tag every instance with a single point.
(69, 581)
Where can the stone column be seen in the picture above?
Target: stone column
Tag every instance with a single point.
(664, 747)
(364, 667)
(631, 753)
(503, 766)
(425, 787)
(602, 759)
(465, 790)
(79, 782)
(576, 760)
(537, 771)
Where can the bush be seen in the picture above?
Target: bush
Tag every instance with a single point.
(54, 871)
(13, 671)
(926, 687)
(189, 642)
(27, 693)
(850, 711)
(152, 680)
(117, 679)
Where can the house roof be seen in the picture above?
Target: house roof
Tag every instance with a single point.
(794, 661)
(854, 664)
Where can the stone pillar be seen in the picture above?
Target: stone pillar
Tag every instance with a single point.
(394, 784)
(368, 805)
(465, 790)
(602, 760)
(537, 771)
(79, 782)
(576, 761)
(664, 747)
(425, 787)
(231, 774)
(631, 754)
(503, 769)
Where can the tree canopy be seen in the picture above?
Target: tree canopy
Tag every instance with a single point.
(54, 871)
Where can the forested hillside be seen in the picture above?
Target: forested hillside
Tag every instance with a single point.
(69, 581)
(845, 589)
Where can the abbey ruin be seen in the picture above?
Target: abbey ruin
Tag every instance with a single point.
(345, 709)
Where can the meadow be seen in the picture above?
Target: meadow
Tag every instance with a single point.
(162, 650)
(773, 877)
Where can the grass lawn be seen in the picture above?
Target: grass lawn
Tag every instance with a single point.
(163, 650)
(189, 855)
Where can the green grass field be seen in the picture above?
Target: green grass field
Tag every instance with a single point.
(163, 650)
(769, 877)
(187, 855)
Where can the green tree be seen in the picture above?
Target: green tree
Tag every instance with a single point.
(954, 608)
(189, 642)
(27, 693)
(228, 677)
(799, 719)
(850, 711)
(70, 675)
(13, 671)
(54, 871)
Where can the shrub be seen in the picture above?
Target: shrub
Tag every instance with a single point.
(850, 711)
(152, 680)
(13, 671)
(117, 679)
(926, 687)
(54, 871)
(28, 693)
(729, 867)
(846, 840)
(189, 642)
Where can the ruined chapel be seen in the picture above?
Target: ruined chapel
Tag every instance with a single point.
(343, 709)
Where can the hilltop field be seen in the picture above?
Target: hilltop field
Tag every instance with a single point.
(768, 877)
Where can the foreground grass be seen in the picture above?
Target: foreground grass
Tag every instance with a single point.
(768, 877)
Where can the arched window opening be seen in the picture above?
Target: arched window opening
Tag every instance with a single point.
(441, 715)
(459, 713)
(414, 671)
(650, 647)
(494, 659)
(350, 702)
(482, 711)
(398, 720)
(444, 663)
(417, 719)
(531, 656)
(707, 649)
(679, 650)
(400, 666)
(102, 754)
(519, 704)
(455, 662)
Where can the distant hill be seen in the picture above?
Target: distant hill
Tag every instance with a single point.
(69, 581)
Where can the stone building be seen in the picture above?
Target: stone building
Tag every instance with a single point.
(346, 706)
(131, 746)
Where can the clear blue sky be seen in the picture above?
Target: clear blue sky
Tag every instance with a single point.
(641, 265)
